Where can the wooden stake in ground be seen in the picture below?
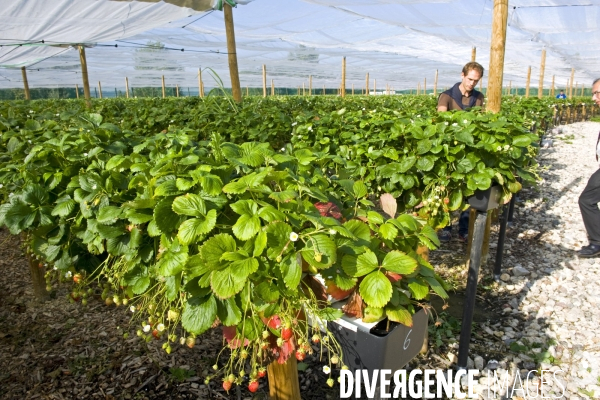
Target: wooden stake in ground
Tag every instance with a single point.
(367, 86)
(100, 89)
(418, 88)
(84, 76)
(310, 85)
(473, 53)
(528, 81)
(374, 86)
(164, 88)
(425, 86)
(552, 88)
(323, 90)
(435, 83)
(264, 80)
(343, 89)
(176, 90)
(77, 91)
(200, 91)
(236, 89)
(542, 68)
(126, 87)
(25, 84)
(272, 87)
(303, 89)
(38, 279)
(571, 85)
(509, 87)
(353, 89)
(283, 380)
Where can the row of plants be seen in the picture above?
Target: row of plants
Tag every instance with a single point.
(203, 233)
(198, 213)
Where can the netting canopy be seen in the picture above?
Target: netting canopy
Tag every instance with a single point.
(400, 43)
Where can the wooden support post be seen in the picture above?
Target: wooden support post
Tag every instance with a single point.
(485, 249)
(164, 89)
(435, 82)
(343, 88)
(582, 90)
(303, 89)
(509, 87)
(367, 86)
(473, 53)
(542, 68)
(25, 84)
(236, 89)
(571, 85)
(528, 81)
(481, 85)
(200, 88)
(100, 89)
(552, 87)
(264, 80)
(176, 90)
(310, 85)
(247, 91)
(77, 91)
(84, 76)
(323, 89)
(272, 87)
(374, 86)
(418, 88)
(472, 216)
(283, 380)
(425, 86)
(127, 87)
(38, 280)
(353, 89)
(494, 88)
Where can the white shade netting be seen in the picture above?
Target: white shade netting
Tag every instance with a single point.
(400, 43)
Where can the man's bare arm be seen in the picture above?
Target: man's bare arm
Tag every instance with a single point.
(442, 108)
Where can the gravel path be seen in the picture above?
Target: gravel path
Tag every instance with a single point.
(551, 316)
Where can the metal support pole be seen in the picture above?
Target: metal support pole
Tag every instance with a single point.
(501, 237)
(475, 262)
(511, 207)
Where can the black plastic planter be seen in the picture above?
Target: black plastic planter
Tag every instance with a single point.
(484, 200)
(375, 348)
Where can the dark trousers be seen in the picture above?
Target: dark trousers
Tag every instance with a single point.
(463, 224)
(588, 204)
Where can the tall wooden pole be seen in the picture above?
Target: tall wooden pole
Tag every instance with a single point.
(100, 89)
(272, 87)
(542, 69)
(435, 82)
(473, 53)
(236, 89)
(264, 80)
(552, 88)
(509, 86)
(343, 77)
(77, 90)
(310, 85)
(367, 86)
(571, 85)
(164, 89)
(84, 76)
(353, 89)
(528, 80)
(494, 88)
(374, 86)
(127, 87)
(418, 88)
(25, 84)
(176, 90)
(199, 82)
(303, 89)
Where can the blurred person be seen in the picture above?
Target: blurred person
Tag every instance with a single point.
(590, 197)
(461, 96)
(561, 95)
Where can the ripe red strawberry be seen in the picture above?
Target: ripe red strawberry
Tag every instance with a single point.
(300, 354)
(253, 386)
(226, 386)
(155, 333)
(262, 373)
(286, 333)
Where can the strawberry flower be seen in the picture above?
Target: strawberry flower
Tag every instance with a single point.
(293, 236)
(326, 369)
